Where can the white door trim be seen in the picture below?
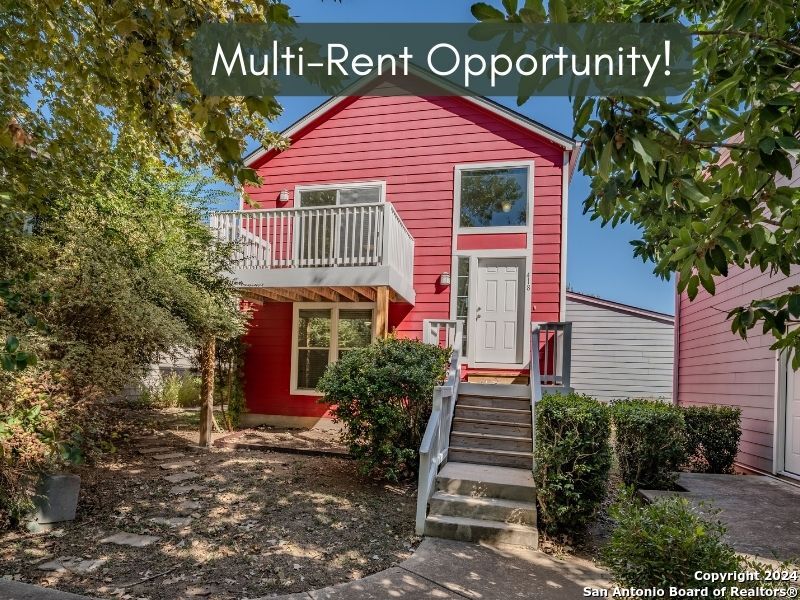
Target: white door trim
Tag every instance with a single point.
(784, 390)
(473, 255)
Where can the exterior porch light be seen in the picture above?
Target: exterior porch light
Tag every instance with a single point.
(283, 197)
(444, 279)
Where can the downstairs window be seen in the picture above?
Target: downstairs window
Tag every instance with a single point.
(322, 335)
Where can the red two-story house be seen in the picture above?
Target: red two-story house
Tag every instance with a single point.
(387, 211)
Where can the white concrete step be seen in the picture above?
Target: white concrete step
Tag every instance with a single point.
(492, 509)
(486, 481)
(486, 456)
(491, 441)
(479, 530)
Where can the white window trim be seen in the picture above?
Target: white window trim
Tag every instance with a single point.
(334, 349)
(342, 185)
(513, 164)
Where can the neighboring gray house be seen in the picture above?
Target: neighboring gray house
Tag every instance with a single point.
(619, 351)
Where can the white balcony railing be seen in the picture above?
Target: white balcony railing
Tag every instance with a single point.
(357, 235)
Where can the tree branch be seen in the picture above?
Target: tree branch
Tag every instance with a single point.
(738, 32)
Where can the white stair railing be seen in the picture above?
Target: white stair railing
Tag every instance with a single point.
(551, 343)
(436, 441)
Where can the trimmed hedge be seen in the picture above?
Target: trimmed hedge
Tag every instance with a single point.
(664, 543)
(383, 395)
(650, 442)
(712, 437)
(572, 458)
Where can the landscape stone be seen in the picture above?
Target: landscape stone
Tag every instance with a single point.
(130, 539)
(154, 449)
(168, 456)
(177, 465)
(74, 564)
(187, 506)
(178, 477)
(185, 489)
(172, 521)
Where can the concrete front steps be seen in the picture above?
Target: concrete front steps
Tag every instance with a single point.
(484, 503)
(492, 426)
(485, 492)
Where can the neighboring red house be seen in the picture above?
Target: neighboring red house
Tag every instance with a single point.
(386, 211)
(715, 366)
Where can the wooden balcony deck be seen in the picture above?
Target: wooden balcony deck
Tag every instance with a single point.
(330, 253)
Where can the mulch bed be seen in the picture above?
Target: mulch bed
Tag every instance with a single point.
(259, 523)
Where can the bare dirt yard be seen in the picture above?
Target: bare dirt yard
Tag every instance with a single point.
(225, 523)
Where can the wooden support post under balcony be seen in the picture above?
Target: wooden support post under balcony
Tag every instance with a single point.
(382, 311)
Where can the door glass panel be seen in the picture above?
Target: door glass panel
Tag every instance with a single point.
(313, 346)
(355, 329)
(494, 197)
(462, 298)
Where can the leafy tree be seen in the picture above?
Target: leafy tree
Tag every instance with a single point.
(133, 271)
(703, 176)
(89, 84)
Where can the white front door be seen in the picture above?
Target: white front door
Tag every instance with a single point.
(791, 447)
(498, 310)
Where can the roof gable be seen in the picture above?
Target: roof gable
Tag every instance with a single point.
(362, 88)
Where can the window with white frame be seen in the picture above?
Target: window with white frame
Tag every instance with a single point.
(493, 197)
(341, 194)
(323, 334)
(349, 230)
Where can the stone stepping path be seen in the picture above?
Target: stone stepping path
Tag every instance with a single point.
(169, 456)
(73, 564)
(185, 489)
(181, 464)
(187, 506)
(172, 521)
(154, 449)
(179, 477)
(130, 539)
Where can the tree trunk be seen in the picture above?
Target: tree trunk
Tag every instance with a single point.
(207, 362)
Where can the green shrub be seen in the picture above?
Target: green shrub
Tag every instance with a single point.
(572, 459)
(382, 394)
(650, 442)
(712, 437)
(172, 391)
(664, 543)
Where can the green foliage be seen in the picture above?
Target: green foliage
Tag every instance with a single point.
(383, 394)
(572, 459)
(712, 437)
(703, 176)
(43, 427)
(664, 543)
(133, 273)
(650, 442)
(173, 391)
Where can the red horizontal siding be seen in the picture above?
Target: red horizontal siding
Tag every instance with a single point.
(413, 143)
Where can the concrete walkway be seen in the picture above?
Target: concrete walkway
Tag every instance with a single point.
(762, 514)
(440, 570)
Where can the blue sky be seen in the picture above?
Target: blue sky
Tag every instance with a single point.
(600, 260)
